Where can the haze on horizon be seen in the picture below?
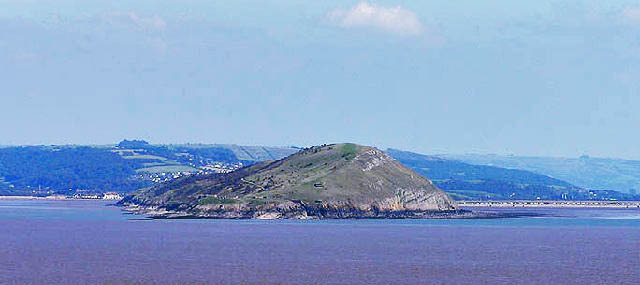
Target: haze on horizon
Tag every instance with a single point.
(544, 78)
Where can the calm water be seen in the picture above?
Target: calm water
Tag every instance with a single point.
(77, 242)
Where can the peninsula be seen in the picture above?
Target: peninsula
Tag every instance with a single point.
(328, 181)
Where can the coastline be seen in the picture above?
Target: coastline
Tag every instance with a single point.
(154, 212)
(550, 204)
(462, 203)
(33, 198)
(51, 198)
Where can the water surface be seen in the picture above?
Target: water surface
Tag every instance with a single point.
(71, 242)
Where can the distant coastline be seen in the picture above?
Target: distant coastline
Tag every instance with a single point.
(34, 198)
(58, 198)
(550, 204)
(464, 203)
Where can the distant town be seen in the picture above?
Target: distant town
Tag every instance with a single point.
(78, 196)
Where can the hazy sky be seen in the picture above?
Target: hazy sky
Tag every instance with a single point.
(553, 78)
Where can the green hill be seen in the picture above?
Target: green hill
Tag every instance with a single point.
(466, 181)
(329, 181)
(127, 166)
(586, 172)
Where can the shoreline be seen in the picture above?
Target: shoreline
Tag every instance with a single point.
(550, 204)
(154, 213)
(33, 198)
(50, 198)
(306, 214)
(463, 203)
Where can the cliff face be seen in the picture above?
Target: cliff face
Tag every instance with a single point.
(330, 181)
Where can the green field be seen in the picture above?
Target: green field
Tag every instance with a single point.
(472, 195)
(144, 156)
(167, 168)
(349, 150)
(152, 164)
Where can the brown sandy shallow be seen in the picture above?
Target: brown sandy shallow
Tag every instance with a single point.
(82, 249)
(178, 253)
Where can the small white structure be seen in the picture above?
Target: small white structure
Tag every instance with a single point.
(111, 196)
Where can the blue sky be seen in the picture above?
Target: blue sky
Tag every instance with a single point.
(551, 78)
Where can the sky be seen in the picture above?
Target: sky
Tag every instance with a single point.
(542, 78)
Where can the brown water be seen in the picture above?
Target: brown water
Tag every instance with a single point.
(78, 242)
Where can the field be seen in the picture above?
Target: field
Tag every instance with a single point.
(167, 169)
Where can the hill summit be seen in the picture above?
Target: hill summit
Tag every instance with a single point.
(328, 181)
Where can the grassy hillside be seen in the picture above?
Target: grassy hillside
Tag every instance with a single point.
(346, 179)
(127, 166)
(590, 173)
(33, 170)
(466, 181)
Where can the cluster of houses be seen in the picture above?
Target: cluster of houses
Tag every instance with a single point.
(161, 177)
(154, 177)
(103, 196)
(220, 167)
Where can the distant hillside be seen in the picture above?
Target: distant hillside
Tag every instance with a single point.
(63, 169)
(127, 166)
(132, 164)
(467, 181)
(329, 181)
(585, 172)
(259, 153)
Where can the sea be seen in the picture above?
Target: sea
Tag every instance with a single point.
(93, 242)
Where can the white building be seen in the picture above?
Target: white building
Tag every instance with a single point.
(111, 196)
